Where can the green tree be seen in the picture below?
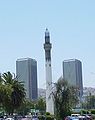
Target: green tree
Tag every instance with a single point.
(14, 92)
(65, 97)
(89, 102)
(25, 107)
(5, 92)
(41, 105)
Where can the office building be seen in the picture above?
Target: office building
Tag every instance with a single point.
(72, 72)
(26, 71)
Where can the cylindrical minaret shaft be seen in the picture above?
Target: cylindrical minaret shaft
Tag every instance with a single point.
(49, 100)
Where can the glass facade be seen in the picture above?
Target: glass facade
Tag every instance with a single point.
(72, 72)
(26, 71)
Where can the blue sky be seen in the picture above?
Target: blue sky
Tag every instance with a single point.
(72, 28)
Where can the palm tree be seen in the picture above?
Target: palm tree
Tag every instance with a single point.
(1, 90)
(15, 99)
(5, 92)
(64, 96)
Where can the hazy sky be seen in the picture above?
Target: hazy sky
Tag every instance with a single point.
(72, 28)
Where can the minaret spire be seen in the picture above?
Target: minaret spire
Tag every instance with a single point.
(47, 47)
(47, 36)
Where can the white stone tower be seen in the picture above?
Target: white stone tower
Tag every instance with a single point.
(47, 47)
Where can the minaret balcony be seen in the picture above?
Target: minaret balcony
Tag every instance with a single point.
(47, 46)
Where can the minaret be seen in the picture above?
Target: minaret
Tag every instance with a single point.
(47, 47)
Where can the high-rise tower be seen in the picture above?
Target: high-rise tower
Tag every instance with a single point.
(26, 71)
(47, 47)
(72, 72)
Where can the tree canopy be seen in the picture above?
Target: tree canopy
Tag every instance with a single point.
(65, 97)
(12, 92)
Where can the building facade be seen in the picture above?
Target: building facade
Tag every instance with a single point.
(72, 72)
(26, 71)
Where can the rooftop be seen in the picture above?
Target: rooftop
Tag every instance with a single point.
(68, 60)
(23, 59)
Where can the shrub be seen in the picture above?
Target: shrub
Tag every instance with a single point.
(49, 117)
(85, 112)
(41, 117)
(93, 111)
(47, 113)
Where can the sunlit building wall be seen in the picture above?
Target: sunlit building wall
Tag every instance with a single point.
(72, 72)
(26, 71)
